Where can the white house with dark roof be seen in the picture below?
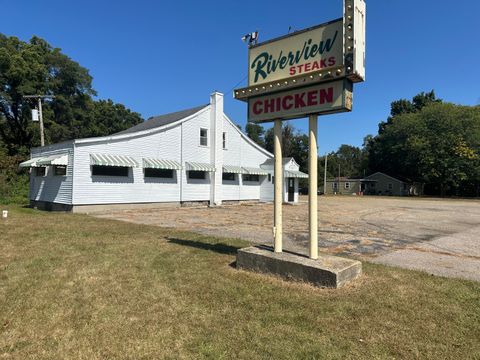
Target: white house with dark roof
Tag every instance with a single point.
(194, 155)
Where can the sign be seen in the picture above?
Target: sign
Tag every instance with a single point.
(318, 48)
(323, 98)
(326, 52)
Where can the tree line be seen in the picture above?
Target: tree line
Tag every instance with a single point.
(424, 140)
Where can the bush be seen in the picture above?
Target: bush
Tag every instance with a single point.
(13, 180)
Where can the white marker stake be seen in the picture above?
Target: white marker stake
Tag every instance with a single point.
(4, 214)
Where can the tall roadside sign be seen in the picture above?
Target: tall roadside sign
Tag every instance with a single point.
(307, 73)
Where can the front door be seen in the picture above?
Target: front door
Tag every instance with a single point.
(291, 189)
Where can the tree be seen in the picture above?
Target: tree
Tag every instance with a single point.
(439, 144)
(38, 68)
(256, 133)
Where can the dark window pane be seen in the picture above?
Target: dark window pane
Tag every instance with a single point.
(253, 178)
(161, 173)
(40, 171)
(109, 170)
(228, 176)
(197, 175)
(60, 170)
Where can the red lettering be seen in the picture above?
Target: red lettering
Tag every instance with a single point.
(312, 98)
(279, 104)
(331, 61)
(300, 67)
(307, 67)
(315, 66)
(292, 70)
(256, 107)
(269, 105)
(285, 105)
(326, 95)
(299, 102)
(323, 63)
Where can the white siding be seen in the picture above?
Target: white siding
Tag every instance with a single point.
(89, 189)
(196, 190)
(53, 188)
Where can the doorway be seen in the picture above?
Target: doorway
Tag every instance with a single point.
(291, 189)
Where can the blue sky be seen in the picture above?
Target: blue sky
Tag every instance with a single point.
(162, 56)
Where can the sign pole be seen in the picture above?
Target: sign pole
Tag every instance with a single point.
(40, 117)
(278, 186)
(313, 185)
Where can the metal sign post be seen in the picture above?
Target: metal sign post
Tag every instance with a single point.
(278, 186)
(312, 186)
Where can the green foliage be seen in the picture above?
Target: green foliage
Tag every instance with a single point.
(13, 181)
(256, 133)
(38, 68)
(294, 144)
(348, 161)
(437, 143)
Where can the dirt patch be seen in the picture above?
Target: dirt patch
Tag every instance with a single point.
(357, 226)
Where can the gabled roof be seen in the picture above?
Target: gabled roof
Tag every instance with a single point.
(271, 162)
(161, 120)
(391, 177)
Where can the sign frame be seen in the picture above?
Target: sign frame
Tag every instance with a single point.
(344, 86)
(351, 65)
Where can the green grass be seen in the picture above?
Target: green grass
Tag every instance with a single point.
(76, 287)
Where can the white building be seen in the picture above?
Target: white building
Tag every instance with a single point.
(194, 155)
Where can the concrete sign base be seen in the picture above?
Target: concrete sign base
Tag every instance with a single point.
(326, 271)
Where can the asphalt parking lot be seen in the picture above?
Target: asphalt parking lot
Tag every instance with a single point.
(440, 236)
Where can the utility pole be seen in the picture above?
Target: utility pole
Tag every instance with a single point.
(325, 176)
(40, 114)
(338, 186)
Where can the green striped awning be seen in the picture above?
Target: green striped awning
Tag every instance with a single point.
(295, 174)
(112, 160)
(196, 166)
(30, 163)
(59, 159)
(254, 171)
(232, 169)
(161, 164)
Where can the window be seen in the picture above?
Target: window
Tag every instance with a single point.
(269, 177)
(203, 137)
(390, 186)
(335, 185)
(249, 177)
(347, 185)
(224, 140)
(228, 176)
(40, 171)
(60, 170)
(199, 175)
(160, 173)
(99, 170)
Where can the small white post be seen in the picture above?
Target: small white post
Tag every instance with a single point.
(312, 186)
(278, 185)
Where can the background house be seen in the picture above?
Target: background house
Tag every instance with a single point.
(375, 184)
(194, 155)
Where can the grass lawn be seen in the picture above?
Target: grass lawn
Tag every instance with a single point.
(76, 287)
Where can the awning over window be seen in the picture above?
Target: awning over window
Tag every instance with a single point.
(196, 166)
(30, 163)
(112, 160)
(254, 171)
(161, 164)
(59, 159)
(233, 169)
(295, 174)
